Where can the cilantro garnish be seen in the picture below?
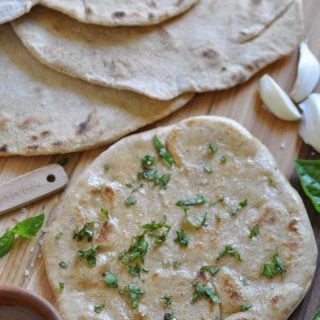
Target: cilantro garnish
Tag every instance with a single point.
(211, 269)
(89, 255)
(98, 309)
(130, 201)
(87, 231)
(231, 252)
(134, 293)
(200, 290)
(276, 266)
(191, 202)
(111, 279)
(163, 152)
(202, 220)
(254, 231)
(182, 238)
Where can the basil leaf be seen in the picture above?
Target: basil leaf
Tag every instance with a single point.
(28, 227)
(316, 316)
(309, 175)
(6, 243)
(163, 152)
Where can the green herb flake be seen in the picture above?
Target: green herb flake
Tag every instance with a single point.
(87, 231)
(309, 176)
(135, 293)
(158, 231)
(89, 255)
(191, 202)
(208, 169)
(25, 229)
(169, 315)
(148, 161)
(213, 148)
(58, 235)
(229, 250)
(104, 213)
(63, 265)
(276, 266)
(111, 279)
(98, 309)
(164, 154)
(223, 159)
(61, 285)
(167, 300)
(210, 268)
(182, 238)
(130, 201)
(106, 167)
(254, 231)
(245, 307)
(200, 290)
(202, 220)
(241, 204)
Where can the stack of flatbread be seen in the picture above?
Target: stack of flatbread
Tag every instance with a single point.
(190, 222)
(82, 73)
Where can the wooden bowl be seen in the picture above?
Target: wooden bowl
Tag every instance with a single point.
(23, 304)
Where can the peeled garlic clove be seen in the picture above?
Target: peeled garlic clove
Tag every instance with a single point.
(310, 124)
(277, 101)
(308, 74)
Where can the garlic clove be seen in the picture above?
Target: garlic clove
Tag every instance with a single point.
(277, 101)
(310, 124)
(308, 74)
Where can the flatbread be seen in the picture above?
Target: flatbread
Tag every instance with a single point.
(121, 12)
(216, 45)
(242, 168)
(12, 9)
(45, 112)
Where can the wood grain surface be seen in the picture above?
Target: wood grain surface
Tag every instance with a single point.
(23, 266)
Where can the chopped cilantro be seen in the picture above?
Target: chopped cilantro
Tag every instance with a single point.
(182, 238)
(245, 306)
(98, 309)
(58, 235)
(153, 229)
(106, 167)
(86, 231)
(230, 251)
(89, 255)
(163, 152)
(134, 293)
(211, 269)
(167, 299)
(208, 169)
(202, 220)
(213, 148)
(254, 231)
(148, 161)
(241, 204)
(63, 265)
(200, 290)
(277, 266)
(223, 159)
(130, 201)
(191, 202)
(111, 279)
(169, 315)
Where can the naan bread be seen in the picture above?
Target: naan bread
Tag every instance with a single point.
(12, 9)
(216, 45)
(121, 12)
(45, 112)
(242, 168)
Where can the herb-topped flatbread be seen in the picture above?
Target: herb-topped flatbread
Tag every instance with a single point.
(192, 221)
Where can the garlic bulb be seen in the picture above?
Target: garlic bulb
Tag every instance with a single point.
(277, 101)
(308, 74)
(310, 124)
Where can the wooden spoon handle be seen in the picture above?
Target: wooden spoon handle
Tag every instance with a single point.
(31, 187)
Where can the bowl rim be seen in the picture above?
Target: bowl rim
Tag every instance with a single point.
(29, 300)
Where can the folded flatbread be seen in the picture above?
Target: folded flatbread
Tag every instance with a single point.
(45, 112)
(216, 45)
(248, 251)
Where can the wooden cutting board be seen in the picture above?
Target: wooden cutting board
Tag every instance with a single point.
(23, 266)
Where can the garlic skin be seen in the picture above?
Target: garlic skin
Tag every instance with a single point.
(310, 124)
(308, 74)
(277, 101)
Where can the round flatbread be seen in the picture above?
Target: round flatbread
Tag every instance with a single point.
(216, 45)
(45, 112)
(13, 9)
(200, 211)
(121, 12)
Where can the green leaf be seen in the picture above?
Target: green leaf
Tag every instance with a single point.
(163, 152)
(134, 294)
(191, 202)
(202, 220)
(167, 299)
(29, 227)
(58, 235)
(316, 316)
(254, 231)
(231, 252)
(211, 269)
(89, 255)
(278, 264)
(148, 161)
(269, 270)
(200, 289)
(111, 279)
(309, 175)
(208, 169)
(87, 231)
(98, 309)
(158, 231)
(130, 201)
(213, 148)
(182, 238)
(6, 243)
(169, 315)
